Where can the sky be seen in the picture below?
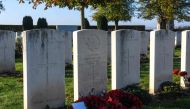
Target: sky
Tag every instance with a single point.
(14, 13)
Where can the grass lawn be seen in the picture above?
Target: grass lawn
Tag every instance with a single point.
(11, 88)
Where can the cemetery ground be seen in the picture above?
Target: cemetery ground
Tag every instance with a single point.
(11, 88)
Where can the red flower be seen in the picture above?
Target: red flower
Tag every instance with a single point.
(183, 73)
(176, 71)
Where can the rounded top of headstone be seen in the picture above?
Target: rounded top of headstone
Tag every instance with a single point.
(185, 31)
(34, 30)
(162, 30)
(6, 31)
(90, 30)
(121, 30)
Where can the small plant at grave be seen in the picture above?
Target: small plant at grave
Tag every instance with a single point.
(143, 95)
(169, 90)
(169, 87)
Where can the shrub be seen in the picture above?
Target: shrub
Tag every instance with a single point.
(27, 23)
(102, 23)
(169, 90)
(143, 95)
(42, 23)
(86, 24)
(168, 87)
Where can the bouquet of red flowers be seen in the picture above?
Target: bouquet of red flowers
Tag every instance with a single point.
(116, 99)
(123, 100)
(93, 102)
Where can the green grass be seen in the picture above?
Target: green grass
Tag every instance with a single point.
(19, 65)
(11, 88)
(11, 93)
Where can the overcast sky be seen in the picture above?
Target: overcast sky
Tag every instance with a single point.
(14, 13)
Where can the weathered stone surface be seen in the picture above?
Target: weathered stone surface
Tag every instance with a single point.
(7, 51)
(68, 47)
(90, 62)
(161, 58)
(125, 58)
(185, 55)
(44, 69)
(145, 37)
(178, 38)
(109, 46)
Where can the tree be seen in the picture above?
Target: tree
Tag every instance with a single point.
(27, 23)
(71, 4)
(1, 6)
(165, 11)
(42, 23)
(86, 24)
(102, 23)
(122, 10)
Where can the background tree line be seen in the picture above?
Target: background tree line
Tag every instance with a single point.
(165, 11)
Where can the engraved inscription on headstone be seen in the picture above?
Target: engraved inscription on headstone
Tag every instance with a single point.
(90, 62)
(7, 51)
(125, 58)
(161, 58)
(44, 69)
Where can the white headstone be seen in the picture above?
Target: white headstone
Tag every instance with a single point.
(185, 55)
(68, 30)
(178, 38)
(90, 62)
(7, 51)
(68, 47)
(125, 58)
(109, 46)
(145, 37)
(161, 58)
(44, 69)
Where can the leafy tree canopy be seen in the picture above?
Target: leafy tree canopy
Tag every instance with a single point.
(165, 9)
(1, 6)
(76, 4)
(71, 4)
(122, 10)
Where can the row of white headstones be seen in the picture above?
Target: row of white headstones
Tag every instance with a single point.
(44, 54)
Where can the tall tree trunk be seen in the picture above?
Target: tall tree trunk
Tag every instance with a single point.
(82, 17)
(116, 24)
(162, 24)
